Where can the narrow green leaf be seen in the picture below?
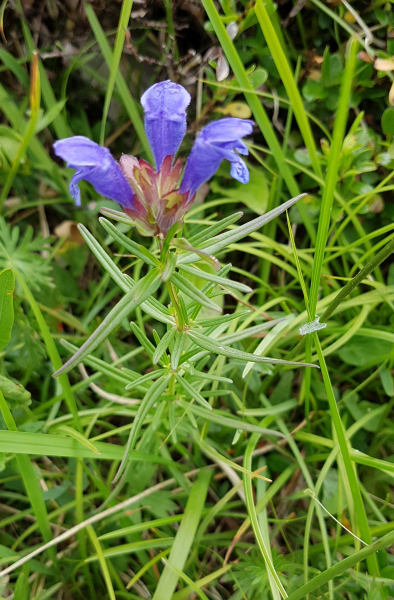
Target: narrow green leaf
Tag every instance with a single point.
(143, 340)
(183, 244)
(124, 91)
(169, 269)
(192, 392)
(253, 515)
(193, 292)
(176, 228)
(128, 244)
(332, 173)
(116, 56)
(77, 436)
(213, 230)
(214, 346)
(7, 284)
(287, 78)
(184, 537)
(151, 396)
(120, 533)
(224, 239)
(257, 108)
(46, 444)
(143, 379)
(176, 353)
(341, 567)
(163, 345)
(139, 292)
(224, 319)
(227, 283)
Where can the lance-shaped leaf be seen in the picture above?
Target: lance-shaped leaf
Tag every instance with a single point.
(193, 292)
(223, 319)
(118, 216)
(163, 345)
(178, 349)
(183, 244)
(229, 237)
(7, 283)
(130, 245)
(139, 292)
(169, 269)
(228, 283)
(217, 348)
(152, 306)
(193, 393)
(230, 338)
(144, 378)
(151, 396)
(213, 230)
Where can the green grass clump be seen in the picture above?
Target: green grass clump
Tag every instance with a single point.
(243, 480)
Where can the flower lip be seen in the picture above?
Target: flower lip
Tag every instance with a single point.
(216, 142)
(165, 106)
(97, 165)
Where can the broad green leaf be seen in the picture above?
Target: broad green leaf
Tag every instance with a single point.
(14, 392)
(388, 121)
(7, 284)
(387, 382)
(138, 293)
(361, 351)
(253, 194)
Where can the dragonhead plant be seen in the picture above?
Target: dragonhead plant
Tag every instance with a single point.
(155, 200)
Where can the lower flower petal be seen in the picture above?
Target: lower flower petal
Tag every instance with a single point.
(96, 165)
(216, 142)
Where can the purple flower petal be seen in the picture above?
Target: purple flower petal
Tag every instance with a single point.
(96, 165)
(217, 141)
(165, 106)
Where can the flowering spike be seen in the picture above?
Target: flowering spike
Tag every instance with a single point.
(217, 141)
(95, 164)
(165, 106)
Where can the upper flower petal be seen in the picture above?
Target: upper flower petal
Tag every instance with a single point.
(165, 106)
(96, 165)
(217, 141)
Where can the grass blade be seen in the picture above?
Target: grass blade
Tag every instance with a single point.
(184, 537)
(257, 109)
(124, 92)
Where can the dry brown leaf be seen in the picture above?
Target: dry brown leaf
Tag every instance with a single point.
(69, 230)
(365, 57)
(382, 64)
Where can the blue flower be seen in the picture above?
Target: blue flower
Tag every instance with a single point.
(152, 197)
(97, 165)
